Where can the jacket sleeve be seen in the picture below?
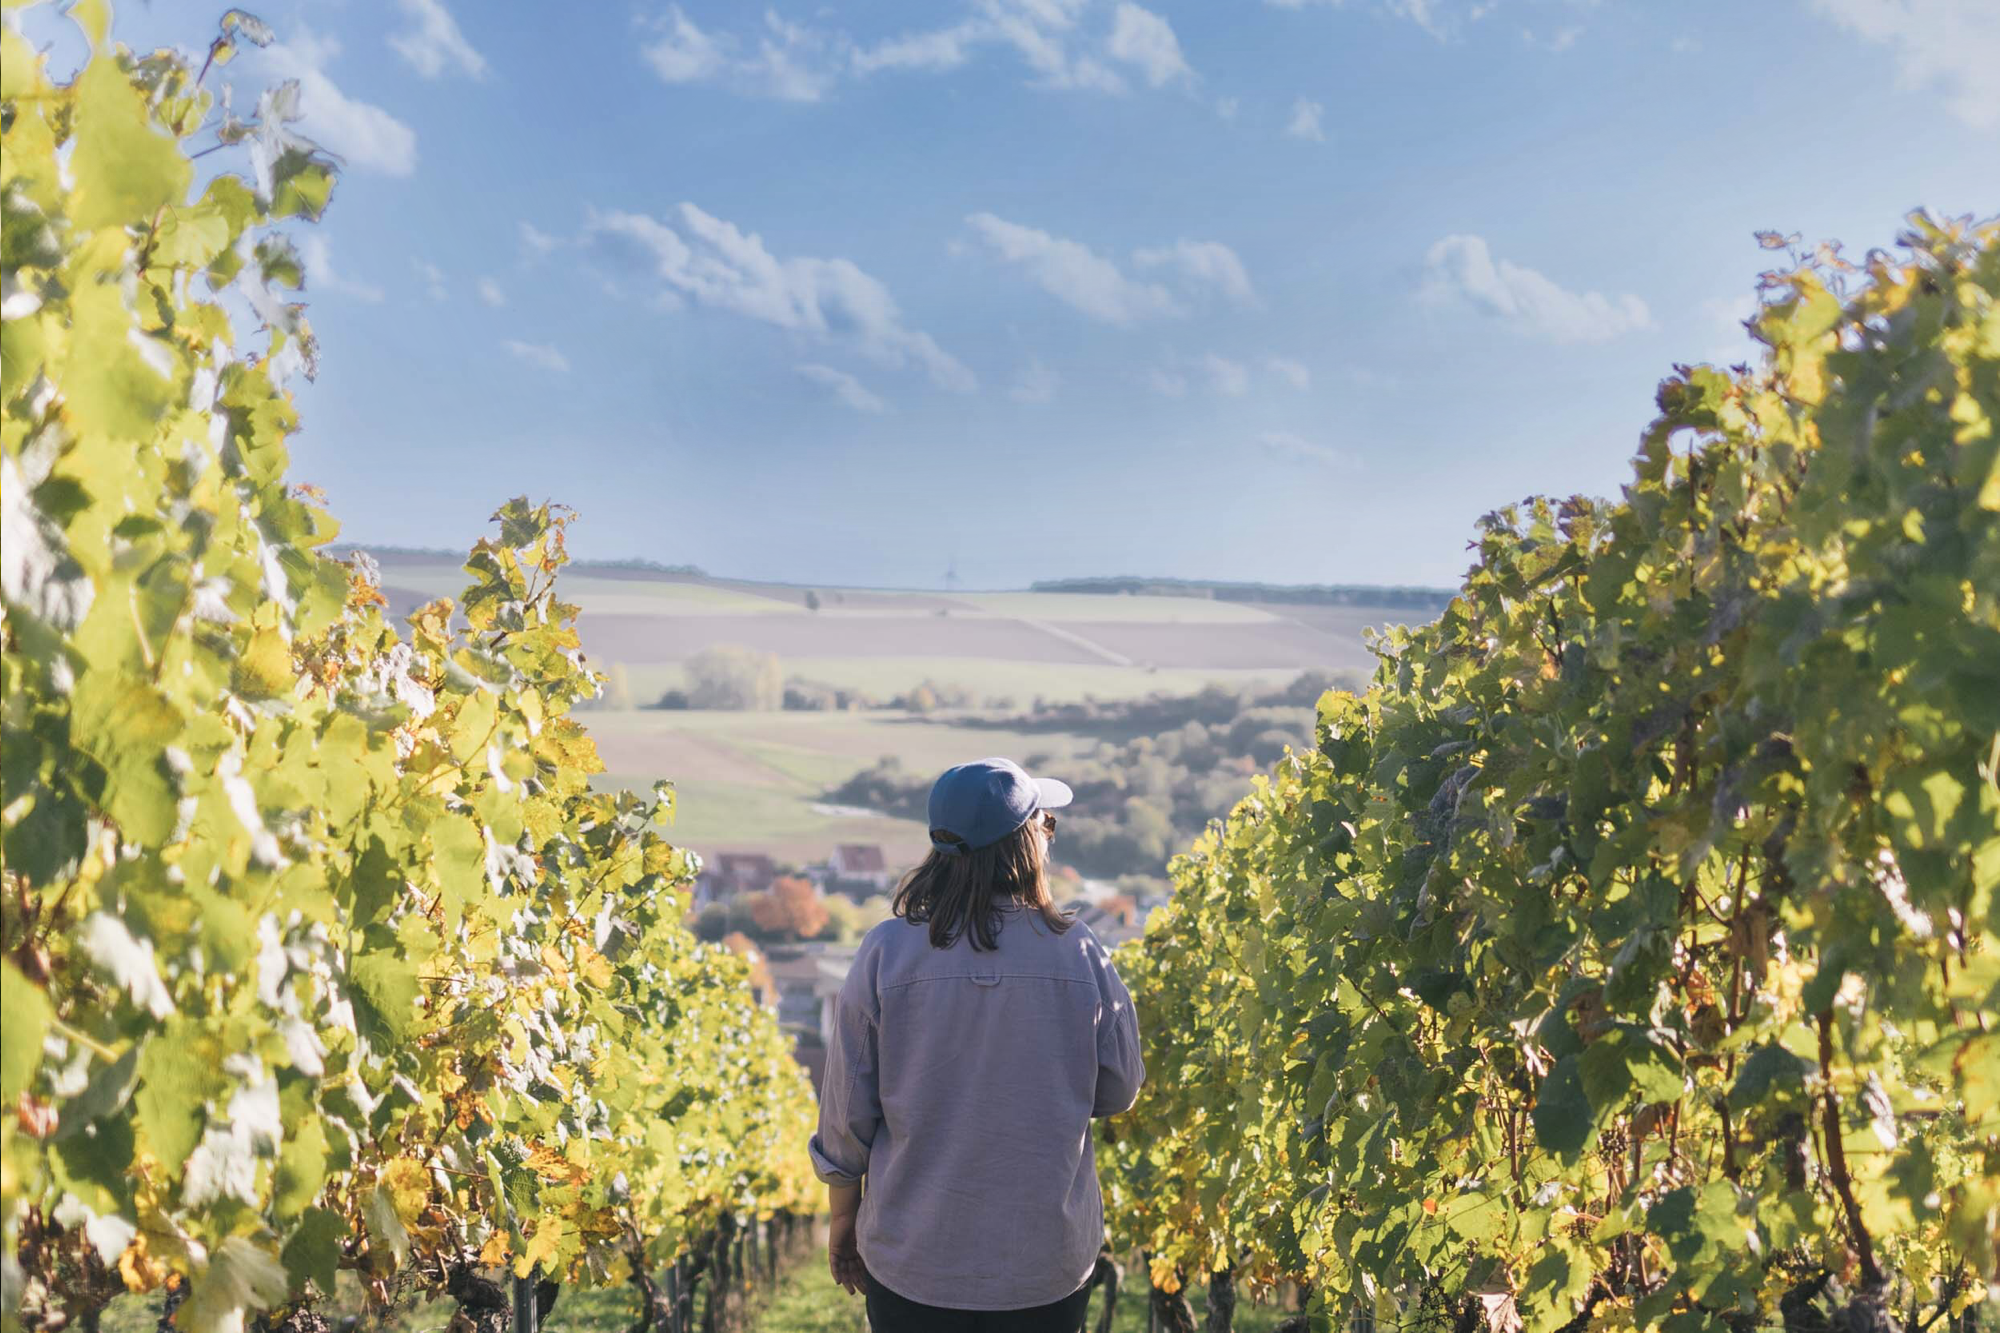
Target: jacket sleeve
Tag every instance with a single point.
(1120, 1069)
(850, 1104)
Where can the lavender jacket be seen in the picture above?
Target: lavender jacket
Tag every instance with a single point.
(962, 1084)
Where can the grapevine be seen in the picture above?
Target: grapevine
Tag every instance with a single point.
(1628, 953)
(318, 951)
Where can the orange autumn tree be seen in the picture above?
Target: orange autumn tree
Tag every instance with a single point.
(792, 906)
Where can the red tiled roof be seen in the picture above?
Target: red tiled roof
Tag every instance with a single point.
(860, 858)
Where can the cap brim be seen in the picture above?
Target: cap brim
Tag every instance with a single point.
(1051, 794)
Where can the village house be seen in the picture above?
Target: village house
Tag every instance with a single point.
(858, 870)
(808, 978)
(727, 874)
(1113, 919)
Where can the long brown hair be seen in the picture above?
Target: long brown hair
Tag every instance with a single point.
(957, 891)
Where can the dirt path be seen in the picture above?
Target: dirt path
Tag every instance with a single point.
(1076, 640)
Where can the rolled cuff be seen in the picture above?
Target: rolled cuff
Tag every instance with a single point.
(829, 1171)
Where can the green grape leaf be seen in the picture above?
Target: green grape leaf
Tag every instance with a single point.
(241, 1278)
(1562, 1115)
(312, 1254)
(24, 1017)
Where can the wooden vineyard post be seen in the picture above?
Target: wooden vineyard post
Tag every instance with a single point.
(526, 1315)
(1222, 1299)
(1107, 1275)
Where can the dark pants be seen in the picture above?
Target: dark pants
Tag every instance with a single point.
(890, 1313)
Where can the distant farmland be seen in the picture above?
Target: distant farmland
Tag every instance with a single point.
(643, 619)
(754, 781)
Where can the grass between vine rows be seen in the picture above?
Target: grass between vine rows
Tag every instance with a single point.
(806, 1300)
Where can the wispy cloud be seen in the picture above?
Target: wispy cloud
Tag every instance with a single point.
(788, 61)
(540, 355)
(1285, 444)
(1230, 378)
(1562, 39)
(1071, 272)
(1724, 319)
(1305, 122)
(432, 277)
(535, 241)
(1442, 19)
(1207, 263)
(1951, 43)
(1219, 374)
(1462, 268)
(847, 390)
(1291, 372)
(1036, 384)
(366, 136)
(703, 259)
(435, 42)
(489, 292)
(1093, 283)
(1141, 38)
(797, 62)
(321, 275)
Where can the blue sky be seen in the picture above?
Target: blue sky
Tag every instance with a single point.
(843, 294)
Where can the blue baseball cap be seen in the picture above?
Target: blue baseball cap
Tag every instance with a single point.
(982, 802)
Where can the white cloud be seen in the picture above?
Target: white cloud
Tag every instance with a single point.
(1217, 373)
(1227, 107)
(942, 49)
(435, 41)
(788, 61)
(1952, 43)
(1225, 376)
(1305, 121)
(1462, 268)
(1562, 40)
(321, 276)
(489, 292)
(1206, 262)
(1043, 34)
(1071, 272)
(365, 136)
(846, 389)
(433, 278)
(800, 63)
(684, 53)
(1036, 384)
(1439, 18)
(1291, 372)
(536, 241)
(541, 355)
(1723, 319)
(706, 260)
(1288, 445)
(1143, 39)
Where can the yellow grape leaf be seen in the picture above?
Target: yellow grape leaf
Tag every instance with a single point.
(409, 1186)
(494, 1252)
(549, 1164)
(125, 169)
(542, 1247)
(594, 966)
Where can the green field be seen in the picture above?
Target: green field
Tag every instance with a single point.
(751, 781)
(755, 781)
